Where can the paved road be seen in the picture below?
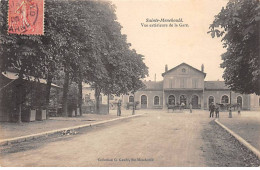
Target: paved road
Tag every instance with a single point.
(155, 139)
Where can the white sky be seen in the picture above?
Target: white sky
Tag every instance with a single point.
(173, 46)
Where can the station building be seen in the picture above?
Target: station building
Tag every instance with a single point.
(186, 84)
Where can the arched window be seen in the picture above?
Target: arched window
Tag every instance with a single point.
(225, 99)
(171, 100)
(156, 100)
(239, 101)
(183, 99)
(211, 100)
(131, 99)
(195, 101)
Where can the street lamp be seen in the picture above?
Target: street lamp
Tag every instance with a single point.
(230, 110)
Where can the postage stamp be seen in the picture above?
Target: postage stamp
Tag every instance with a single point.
(26, 17)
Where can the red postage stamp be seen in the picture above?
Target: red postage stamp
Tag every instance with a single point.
(26, 17)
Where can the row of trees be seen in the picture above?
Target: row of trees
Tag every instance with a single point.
(82, 43)
(239, 26)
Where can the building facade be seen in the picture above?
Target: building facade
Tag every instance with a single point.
(186, 84)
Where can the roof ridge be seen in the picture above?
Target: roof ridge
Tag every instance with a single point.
(184, 64)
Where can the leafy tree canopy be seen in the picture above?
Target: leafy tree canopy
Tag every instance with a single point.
(239, 25)
(81, 37)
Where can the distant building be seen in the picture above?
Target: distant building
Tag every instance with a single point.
(88, 95)
(185, 84)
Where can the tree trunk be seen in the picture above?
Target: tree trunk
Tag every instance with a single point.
(19, 95)
(76, 112)
(19, 101)
(97, 94)
(65, 94)
(80, 95)
(48, 91)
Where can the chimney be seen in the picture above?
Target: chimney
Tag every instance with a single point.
(202, 67)
(155, 77)
(166, 68)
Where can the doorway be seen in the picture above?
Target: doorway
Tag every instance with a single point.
(195, 101)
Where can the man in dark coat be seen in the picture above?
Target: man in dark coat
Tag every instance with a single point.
(217, 111)
(119, 108)
(211, 110)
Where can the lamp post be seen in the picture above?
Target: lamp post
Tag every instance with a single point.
(230, 110)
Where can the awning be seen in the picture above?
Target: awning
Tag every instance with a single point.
(14, 76)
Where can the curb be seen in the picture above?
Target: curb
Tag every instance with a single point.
(45, 134)
(240, 139)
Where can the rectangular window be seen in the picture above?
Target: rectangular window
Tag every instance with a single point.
(195, 83)
(170, 83)
(173, 83)
(182, 82)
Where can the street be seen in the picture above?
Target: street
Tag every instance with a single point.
(157, 138)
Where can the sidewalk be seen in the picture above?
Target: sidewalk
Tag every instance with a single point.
(12, 130)
(247, 125)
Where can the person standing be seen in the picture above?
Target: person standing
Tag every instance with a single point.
(119, 108)
(190, 108)
(182, 106)
(211, 110)
(217, 111)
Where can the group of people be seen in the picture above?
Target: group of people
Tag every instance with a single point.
(213, 108)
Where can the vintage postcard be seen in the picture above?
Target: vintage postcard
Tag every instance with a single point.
(129, 83)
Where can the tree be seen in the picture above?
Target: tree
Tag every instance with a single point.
(83, 40)
(22, 53)
(121, 69)
(239, 25)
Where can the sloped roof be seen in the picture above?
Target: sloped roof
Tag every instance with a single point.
(153, 85)
(14, 76)
(182, 65)
(215, 85)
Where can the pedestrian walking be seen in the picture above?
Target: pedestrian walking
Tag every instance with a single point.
(217, 111)
(190, 108)
(211, 110)
(119, 108)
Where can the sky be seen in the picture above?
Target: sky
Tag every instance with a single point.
(173, 45)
